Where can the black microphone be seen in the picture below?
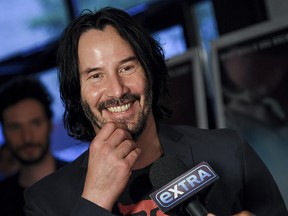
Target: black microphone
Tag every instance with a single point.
(177, 187)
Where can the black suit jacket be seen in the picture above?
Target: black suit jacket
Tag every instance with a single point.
(11, 193)
(244, 184)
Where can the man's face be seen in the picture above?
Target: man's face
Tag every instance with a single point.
(27, 129)
(114, 87)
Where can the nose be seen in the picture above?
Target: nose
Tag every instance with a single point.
(116, 86)
(27, 134)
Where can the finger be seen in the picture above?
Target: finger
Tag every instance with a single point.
(118, 136)
(124, 148)
(133, 156)
(108, 129)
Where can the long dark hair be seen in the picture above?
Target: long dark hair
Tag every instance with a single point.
(148, 51)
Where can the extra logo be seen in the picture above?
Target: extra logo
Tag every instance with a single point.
(183, 187)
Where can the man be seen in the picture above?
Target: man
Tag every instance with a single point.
(26, 122)
(112, 82)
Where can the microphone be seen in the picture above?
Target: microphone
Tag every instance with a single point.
(177, 187)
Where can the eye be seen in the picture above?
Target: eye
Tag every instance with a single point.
(95, 76)
(13, 127)
(128, 69)
(37, 122)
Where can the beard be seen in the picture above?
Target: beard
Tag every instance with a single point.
(31, 161)
(134, 128)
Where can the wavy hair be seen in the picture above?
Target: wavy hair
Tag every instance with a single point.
(25, 87)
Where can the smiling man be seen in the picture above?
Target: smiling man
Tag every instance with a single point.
(117, 79)
(113, 83)
(26, 116)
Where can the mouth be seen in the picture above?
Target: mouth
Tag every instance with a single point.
(118, 109)
(28, 146)
(119, 105)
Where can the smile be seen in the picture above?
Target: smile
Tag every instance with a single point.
(118, 109)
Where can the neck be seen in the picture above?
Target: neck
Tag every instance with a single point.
(29, 174)
(149, 144)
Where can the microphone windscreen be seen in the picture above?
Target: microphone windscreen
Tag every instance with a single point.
(165, 170)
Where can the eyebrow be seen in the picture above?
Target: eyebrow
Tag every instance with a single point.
(131, 58)
(90, 69)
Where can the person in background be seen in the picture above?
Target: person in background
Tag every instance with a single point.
(8, 163)
(113, 81)
(26, 118)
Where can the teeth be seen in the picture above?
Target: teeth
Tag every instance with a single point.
(119, 108)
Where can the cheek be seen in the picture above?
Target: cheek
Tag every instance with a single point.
(139, 88)
(140, 83)
(44, 131)
(12, 138)
(91, 94)
(144, 87)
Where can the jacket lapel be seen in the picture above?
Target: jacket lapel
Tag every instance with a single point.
(173, 144)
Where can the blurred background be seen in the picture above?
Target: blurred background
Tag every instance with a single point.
(228, 60)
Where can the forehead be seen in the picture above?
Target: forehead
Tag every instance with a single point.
(24, 110)
(107, 40)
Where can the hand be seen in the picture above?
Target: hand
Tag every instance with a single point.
(242, 213)
(112, 155)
